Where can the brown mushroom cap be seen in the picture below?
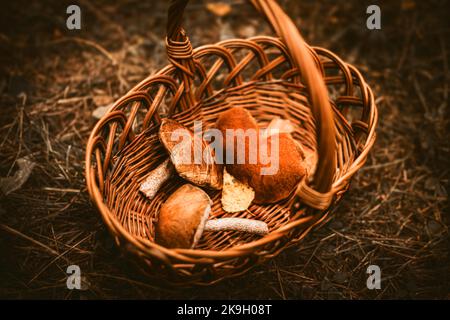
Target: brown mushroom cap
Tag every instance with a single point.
(291, 167)
(273, 188)
(180, 143)
(182, 217)
(236, 118)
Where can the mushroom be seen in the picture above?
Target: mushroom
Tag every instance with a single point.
(285, 126)
(182, 145)
(185, 216)
(288, 159)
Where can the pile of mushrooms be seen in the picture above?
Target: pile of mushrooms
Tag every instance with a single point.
(287, 156)
(184, 216)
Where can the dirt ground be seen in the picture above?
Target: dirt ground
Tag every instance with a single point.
(395, 214)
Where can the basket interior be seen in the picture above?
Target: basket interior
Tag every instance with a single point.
(130, 166)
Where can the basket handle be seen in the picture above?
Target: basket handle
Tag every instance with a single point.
(303, 59)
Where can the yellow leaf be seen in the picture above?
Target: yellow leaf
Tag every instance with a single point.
(220, 9)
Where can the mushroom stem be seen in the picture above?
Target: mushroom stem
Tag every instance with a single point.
(237, 224)
(156, 178)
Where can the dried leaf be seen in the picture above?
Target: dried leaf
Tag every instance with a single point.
(102, 100)
(246, 31)
(101, 111)
(219, 9)
(434, 227)
(15, 182)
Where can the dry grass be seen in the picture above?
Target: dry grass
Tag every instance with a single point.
(395, 214)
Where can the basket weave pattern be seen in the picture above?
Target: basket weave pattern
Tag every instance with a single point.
(327, 100)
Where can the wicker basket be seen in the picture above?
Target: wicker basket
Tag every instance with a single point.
(327, 99)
